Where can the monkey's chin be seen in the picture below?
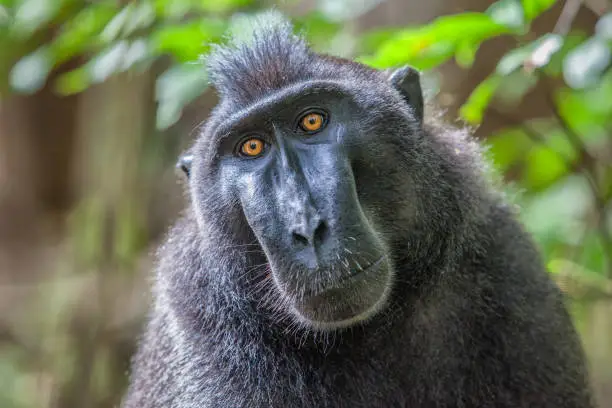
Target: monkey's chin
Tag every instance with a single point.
(351, 302)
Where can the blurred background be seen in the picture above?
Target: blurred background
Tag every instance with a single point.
(98, 98)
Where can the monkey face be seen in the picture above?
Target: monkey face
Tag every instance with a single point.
(308, 172)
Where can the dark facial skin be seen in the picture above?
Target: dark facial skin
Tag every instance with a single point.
(299, 195)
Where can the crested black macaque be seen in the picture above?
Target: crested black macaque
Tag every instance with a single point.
(341, 251)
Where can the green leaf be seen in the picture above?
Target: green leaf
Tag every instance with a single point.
(113, 29)
(555, 65)
(175, 88)
(536, 54)
(466, 53)
(513, 60)
(30, 15)
(588, 113)
(544, 49)
(508, 147)
(543, 167)
(473, 109)
(109, 62)
(584, 65)
(78, 34)
(372, 40)
(222, 6)
(137, 52)
(73, 82)
(345, 10)
(533, 8)
(508, 13)
(187, 42)
(4, 17)
(544, 159)
(30, 73)
(140, 17)
(429, 46)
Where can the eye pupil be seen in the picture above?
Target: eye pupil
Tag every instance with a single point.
(252, 147)
(312, 122)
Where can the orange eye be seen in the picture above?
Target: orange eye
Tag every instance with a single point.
(252, 147)
(312, 122)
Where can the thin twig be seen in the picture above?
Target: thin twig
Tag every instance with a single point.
(567, 16)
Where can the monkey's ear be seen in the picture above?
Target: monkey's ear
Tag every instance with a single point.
(408, 82)
(184, 164)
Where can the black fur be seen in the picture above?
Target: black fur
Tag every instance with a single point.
(473, 320)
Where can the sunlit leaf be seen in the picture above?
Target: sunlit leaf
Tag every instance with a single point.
(138, 51)
(473, 109)
(73, 82)
(342, 10)
(431, 45)
(142, 16)
(108, 62)
(79, 33)
(4, 17)
(433, 55)
(186, 42)
(113, 29)
(536, 54)
(466, 53)
(177, 9)
(410, 46)
(513, 60)
(508, 13)
(533, 8)
(555, 66)
(372, 40)
(603, 28)
(588, 113)
(175, 88)
(30, 73)
(221, 6)
(546, 47)
(33, 14)
(585, 64)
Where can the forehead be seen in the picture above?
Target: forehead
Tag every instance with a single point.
(287, 99)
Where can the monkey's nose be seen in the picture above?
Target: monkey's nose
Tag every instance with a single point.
(310, 234)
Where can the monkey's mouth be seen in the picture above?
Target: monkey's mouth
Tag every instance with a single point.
(347, 300)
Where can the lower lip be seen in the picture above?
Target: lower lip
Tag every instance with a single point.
(351, 279)
(363, 271)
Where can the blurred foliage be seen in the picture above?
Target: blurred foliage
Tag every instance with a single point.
(559, 166)
(562, 164)
(111, 37)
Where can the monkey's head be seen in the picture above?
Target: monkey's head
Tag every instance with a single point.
(311, 161)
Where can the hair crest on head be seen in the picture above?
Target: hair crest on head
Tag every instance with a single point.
(262, 54)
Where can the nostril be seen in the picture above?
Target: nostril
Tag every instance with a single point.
(321, 233)
(304, 238)
(299, 239)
